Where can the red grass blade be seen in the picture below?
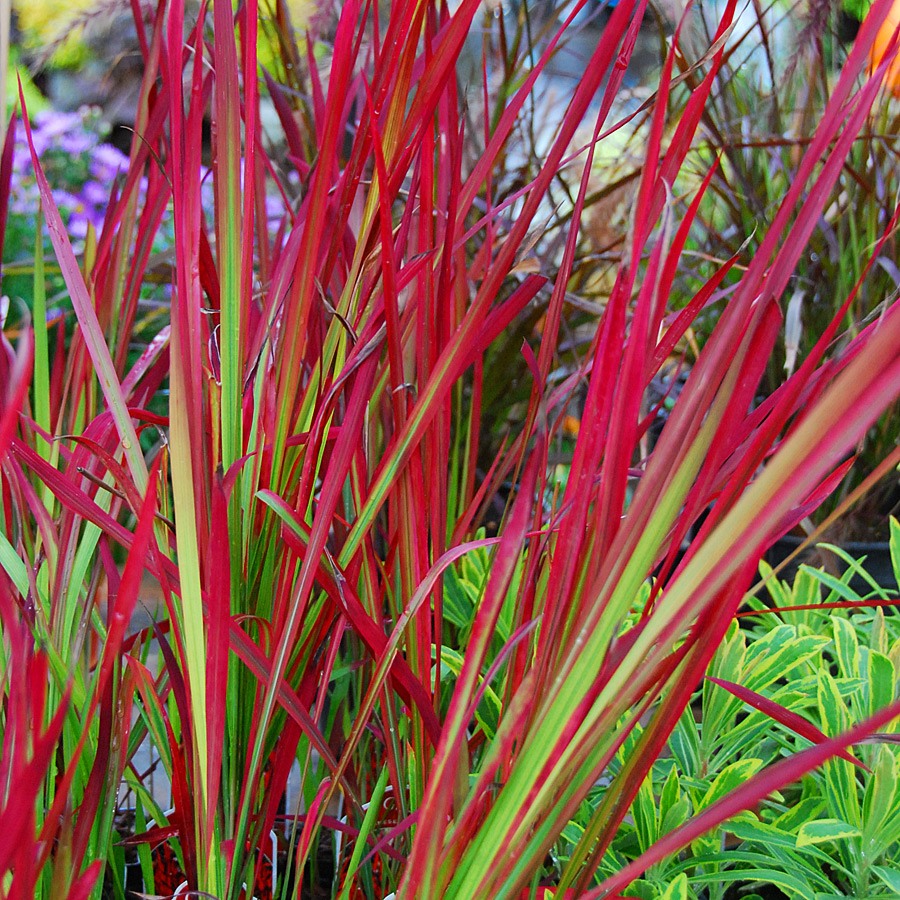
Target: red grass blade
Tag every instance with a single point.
(786, 717)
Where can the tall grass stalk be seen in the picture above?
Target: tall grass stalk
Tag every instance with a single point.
(309, 498)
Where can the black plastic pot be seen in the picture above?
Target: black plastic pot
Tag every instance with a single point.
(877, 564)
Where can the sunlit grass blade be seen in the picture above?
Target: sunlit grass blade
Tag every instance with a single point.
(87, 318)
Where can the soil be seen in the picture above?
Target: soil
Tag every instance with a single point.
(743, 889)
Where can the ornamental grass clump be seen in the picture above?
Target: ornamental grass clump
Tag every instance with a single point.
(309, 499)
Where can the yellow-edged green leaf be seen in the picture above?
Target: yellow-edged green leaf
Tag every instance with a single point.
(840, 781)
(670, 793)
(881, 826)
(895, 548)
(806, 810)
(731, 777)
(459, 607)
(677, 890)
(878, 636)
(488, 712)
(890, 876)
(643, 811)
(846, 646)
(825, 830)
(792, 886)
(781, 650)
(882, 680)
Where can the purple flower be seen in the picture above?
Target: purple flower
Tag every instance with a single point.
(77, 226)
(21, 158)
(41, 141)
(76, 143)
(24, 200)
(96, 217)
(95, 194)
(52, 124)
(66, 201)
(107, 162)
(274, 209)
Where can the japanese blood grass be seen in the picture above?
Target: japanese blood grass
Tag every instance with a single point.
(66, 699)
(322, 435)
(588, 683)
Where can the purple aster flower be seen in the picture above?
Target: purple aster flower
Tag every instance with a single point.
(21, 158)
(23, 204)
(107, 162)
(76, 143)
(67, 202)
(52, 123)
(41, 141)
(95, 194)
(96, 217)
(274, 208)
(77, 227)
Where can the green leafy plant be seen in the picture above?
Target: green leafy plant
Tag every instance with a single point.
(849, 809)
(806, 663)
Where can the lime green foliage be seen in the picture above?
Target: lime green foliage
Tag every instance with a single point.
(272, 34)
(856, 8)
(834, 834)
(45, 21)
(33, 97)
